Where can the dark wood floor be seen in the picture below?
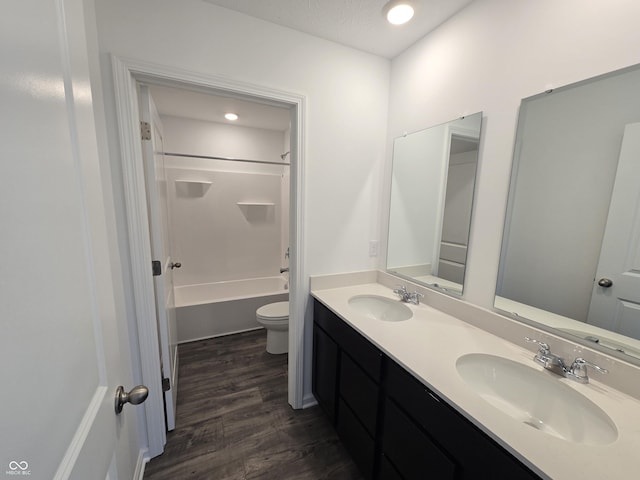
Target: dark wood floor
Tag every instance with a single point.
(234, 423)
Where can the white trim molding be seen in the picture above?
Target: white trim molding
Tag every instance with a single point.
(127, 73)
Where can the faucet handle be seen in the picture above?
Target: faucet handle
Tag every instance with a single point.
(579, 367)
(401, 290)
(544, 347)
(415, 297)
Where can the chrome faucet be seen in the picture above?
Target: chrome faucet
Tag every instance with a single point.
(405, 296)
(577, 371)
(547, 359)
(401, 291)
(285, 269)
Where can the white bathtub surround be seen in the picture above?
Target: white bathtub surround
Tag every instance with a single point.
(429, 345)
(232, 230)
(223, 308)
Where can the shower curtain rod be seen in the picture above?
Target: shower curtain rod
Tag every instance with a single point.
(227, 159)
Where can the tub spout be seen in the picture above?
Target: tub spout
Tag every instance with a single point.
(282, 270)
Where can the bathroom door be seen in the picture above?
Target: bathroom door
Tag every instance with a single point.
(617, 306)
(59, 345)
(159, 228)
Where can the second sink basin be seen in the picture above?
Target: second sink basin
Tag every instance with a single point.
(537, 399)
(380, 308)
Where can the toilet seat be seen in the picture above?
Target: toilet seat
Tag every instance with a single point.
(274, 312)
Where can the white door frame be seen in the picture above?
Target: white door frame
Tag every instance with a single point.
(127, 72)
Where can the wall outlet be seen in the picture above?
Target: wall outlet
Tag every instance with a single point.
(373, 248)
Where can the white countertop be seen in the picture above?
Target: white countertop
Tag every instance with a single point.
(428, 345)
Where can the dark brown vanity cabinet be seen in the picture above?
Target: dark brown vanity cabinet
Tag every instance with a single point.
(393, 426)
(346, 383)
(325, 366)
(447, 441)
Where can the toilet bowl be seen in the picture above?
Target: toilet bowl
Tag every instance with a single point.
(275, 318)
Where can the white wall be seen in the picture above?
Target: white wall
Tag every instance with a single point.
(346, 110)
(487, 58)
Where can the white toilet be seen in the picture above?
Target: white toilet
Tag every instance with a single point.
(275, 318)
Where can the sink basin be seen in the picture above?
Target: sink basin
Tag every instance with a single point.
(537, 399)
(380, 308)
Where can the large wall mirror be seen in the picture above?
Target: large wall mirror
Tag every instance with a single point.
(432, 184)
(570, 257)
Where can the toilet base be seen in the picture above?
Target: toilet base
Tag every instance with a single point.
(277, 341)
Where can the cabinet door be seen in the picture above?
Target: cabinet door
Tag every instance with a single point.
(356, 439)
(359, 392)
(325, 371)
(387, 470)
(410, 450)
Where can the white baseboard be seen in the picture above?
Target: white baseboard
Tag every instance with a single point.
(138, 474)
(309, 401)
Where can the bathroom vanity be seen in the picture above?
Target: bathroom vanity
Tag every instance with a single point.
(392, 424)
(405, 408)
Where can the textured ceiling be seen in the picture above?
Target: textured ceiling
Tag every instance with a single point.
(202, 106)
(355, 23)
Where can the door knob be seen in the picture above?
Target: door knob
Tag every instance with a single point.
(605, 282)
(175, 265)
(136, 396)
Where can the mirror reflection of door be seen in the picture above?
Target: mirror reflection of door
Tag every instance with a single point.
(456, 218)
(615, 304)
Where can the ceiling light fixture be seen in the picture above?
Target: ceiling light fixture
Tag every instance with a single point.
(231, 116)
(398, 12)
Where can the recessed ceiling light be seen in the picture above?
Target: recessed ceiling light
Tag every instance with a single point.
(398, 12)
(231, 116)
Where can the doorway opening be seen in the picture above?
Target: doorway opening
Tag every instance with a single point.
(129, 76)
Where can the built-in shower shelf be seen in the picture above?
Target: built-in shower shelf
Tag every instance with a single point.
(194, 182)
(258, 212)
(192, 188)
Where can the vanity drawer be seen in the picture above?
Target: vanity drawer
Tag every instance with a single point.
(423, 406)
(412, 451)
(359, 392)
(326, 319)
(355, 438)
(363, 352)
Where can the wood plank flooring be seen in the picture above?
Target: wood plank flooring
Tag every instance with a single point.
(234, 423)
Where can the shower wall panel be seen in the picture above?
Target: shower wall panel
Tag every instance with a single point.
(226, 225)
(226, 216)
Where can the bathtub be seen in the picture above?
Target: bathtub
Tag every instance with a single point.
(221, 308)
